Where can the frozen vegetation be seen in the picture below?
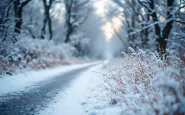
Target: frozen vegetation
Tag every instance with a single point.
(142, 83)
(92, 57)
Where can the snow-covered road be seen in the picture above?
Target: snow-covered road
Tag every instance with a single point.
(74, 98)
(83, 96)
(52, 94)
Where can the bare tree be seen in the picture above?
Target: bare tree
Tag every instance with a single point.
(144, 15)
(76, 14)
(169, 15)
(133, 18)
(18, 9)
(4, 13)
(47, 18)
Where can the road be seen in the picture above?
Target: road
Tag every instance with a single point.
(32, 101)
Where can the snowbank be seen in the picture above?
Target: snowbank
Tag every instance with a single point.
(142, 83)
(20, 82)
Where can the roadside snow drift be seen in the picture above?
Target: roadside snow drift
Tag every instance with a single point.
(22, 81)
(81, 97)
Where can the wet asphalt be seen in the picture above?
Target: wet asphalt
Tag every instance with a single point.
(37, 98)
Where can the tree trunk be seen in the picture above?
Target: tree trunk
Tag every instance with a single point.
(18, 8)
(18, 20)
(43, 30)
(69, 25)
(69, 32)
(162, 40)
(50, 26)
(4, 13)
(47, 19)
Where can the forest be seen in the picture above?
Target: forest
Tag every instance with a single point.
(140, 44)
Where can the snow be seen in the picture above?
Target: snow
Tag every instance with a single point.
(80, 98)
(118, 86)
(22, 81)
(72, 100)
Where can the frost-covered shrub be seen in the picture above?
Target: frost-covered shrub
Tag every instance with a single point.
(45, 48)
(33, 53)
(145, 84)
(81, 43)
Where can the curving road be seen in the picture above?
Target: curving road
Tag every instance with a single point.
(37, 98)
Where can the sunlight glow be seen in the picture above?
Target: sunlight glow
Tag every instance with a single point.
(100, 7)
(111, 27)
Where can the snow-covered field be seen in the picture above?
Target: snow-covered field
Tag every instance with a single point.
(22, 81)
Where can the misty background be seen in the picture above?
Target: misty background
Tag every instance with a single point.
(44, 33)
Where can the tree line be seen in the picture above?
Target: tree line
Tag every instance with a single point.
(75, 16)
(152, 20)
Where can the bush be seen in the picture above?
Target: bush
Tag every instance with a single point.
(29, 53)
(145, 84)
